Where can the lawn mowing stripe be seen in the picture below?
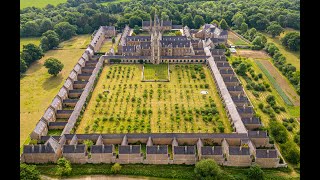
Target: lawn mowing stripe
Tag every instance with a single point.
(274, 83)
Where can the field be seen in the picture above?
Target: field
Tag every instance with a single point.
(114, 2)
(235, 40)
(253, 54)
(25, 41)
(278, 79)
(121, 103)
(38, 88)
(39, 3)
(155, 72)
(292, 57)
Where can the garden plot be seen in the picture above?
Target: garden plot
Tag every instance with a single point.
(122, 103)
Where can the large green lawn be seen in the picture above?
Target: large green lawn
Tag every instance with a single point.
(25, 41)
(121, 103)
(39, 3)
(292, 56)
(38, 88)
(155, 72)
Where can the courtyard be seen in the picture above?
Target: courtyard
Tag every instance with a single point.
(122, 103)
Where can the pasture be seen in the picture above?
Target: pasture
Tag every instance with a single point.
(39, 3)
(121, 103)
(32, 40)
(38, 88)
(236, 40)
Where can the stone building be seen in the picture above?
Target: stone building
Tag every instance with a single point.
(157, 154)
(130, 154)
(267, 158)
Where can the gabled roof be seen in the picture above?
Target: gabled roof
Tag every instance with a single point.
(101, 149)
(79, 148)
(184, 149)
(238, 150)
(211, 150)
(159, 149)
(266, 153)
(99, 140)
(129, 149)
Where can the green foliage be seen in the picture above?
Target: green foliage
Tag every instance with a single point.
(188, 21)
(198, 21)
(244, 27)
(258, 43)
(63, 167)
(113, 40)
(178, 33)
(23, 66)
(29, 172)
(278, 131)
(65, 30)
(291, 40)
(207, 169)
(274, 29)
(49, 40)
(31, 53)
(53, 65)
(116, 168)
(224, 25)
(215, 22)
(255, 172)
(136, 29)
(290, 152)
(238, 19)
(135, 20)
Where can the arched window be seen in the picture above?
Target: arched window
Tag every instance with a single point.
(169, 61)
(200, 60)
(184, 60)
(191, 60)
(196, 60)
(130, 60)
(180, 60)
(127, 60)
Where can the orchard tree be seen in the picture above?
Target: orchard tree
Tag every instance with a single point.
(29, 172)
(49, 40)
(274, 29)
(224, 24)
(65, 30)
(198, 21)
(278, 131)
(54, 66)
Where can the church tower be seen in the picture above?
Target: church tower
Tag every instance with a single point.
(156, 36)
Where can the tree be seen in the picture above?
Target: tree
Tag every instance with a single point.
(23, 66)
(274, 29)
(198, 21)
(46, 25)
(54, 66)
(238, 19)
(31, 53)
(224, 24)
(135, 20)
(31, 28)
(187, 21)
(290, 152)
(113, 40)
(49, 40)
(257, 43)
(244, 27)
(178, 33)
(241, 69)
(63, 167)
(278, 131)
(65, 30)
(291, 40)
(207, 169)
(215, 22)
(255, 172)
(136, 29)
(29, 172)
(116, 168)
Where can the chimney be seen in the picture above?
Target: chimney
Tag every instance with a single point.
(185, 149)
(240, 148)
(130, 148)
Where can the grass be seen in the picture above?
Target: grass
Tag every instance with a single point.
(115, 2)
(119, 99)
(235, 40)
(274, 84)
(292, 57)
(39, 3)
(25, 41)
(54, 132)
(161, 171)
(106, 46)
(38, 88)
(155, 72)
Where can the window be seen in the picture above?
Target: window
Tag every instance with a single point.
(169, 61)
(130, 60)
(180, 60)
(191, 60)
(184, 60)
(196, 60)
(200, 60)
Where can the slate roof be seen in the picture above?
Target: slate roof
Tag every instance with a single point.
(230, 79)
(51, 124)
(79, 148)
(145, 45)
(174, 38)
(129, 149)
(237, 150)
(226, 71)
(129, 49)
(245, 109)
(253, 120)
(167, 23)
(146, 23)
(257, 134)
(138, 38)
(101, 149)
(222, 64)
(184, 149)
(177, 26)
(41, 148)
(234, 88)
(266, 153)
(157, 149)
(175, 43)
(211, 150)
